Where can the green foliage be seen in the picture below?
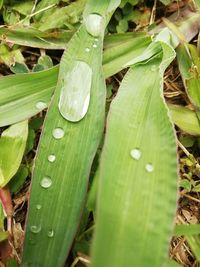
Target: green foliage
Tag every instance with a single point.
(13, 143)
(128, 165)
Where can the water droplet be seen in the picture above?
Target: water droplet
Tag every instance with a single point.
(153, 68)
(136, 153)
(96, 40)
(35, 229)
(149, 167)
(38, 206)
(50, 233)
(87, 49)
(41, 105)
(94, 45)
(58, 133)
(51, 158)
(94, 24)
(46, 182)
(75, 93)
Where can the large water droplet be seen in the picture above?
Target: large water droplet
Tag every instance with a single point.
(58, 133)
(41, 105)
(50, 233)
(38, 207)
(35, 229)
(94, 24)
(75, 93)
(51, 158)
(46, 182)
(136, 153)
(149, 167)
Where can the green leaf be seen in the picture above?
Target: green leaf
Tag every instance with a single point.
(140, 140)
(24, 95)
(172, 263)
(65, 156)
(3, 233)
(187, 229)
(12, 143)
(19, 68)
(29, 36)
(185, 119)
(18, 180)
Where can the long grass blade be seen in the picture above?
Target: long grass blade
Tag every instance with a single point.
(65, 155)
(138, 166)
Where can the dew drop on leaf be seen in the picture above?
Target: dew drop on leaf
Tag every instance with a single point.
(38, 207)
(75, 93)
(46, 182)
(94, 24)
(35, 229)
(50, 233)
(41, 105)
(87, 49)
(149, 167)
(136, 153)
(94, 45)
(51, 158)
(58, 133)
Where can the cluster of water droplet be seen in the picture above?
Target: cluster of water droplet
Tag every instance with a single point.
(136, 155)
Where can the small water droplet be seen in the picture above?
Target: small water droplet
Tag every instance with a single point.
(51, 158)
(87, 49)
(58, 133)
(153, 68)
(38, 207)
(46, 182)
(149, 167)
(136, 153)
(50, 233)
(35, 229)
(96, 40)
(41, 105)
(94, 24)
(94, 45)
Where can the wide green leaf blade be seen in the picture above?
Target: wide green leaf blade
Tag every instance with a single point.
(13, 144)
(64, 159)
(24, 95)
(138, 173)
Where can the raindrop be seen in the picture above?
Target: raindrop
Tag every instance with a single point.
(38, 206)
(153, 68)
(94, 45)
(149, 167)
(50, 233)
(75, 93)
(46, 182)
(51, 158)
(136, 153)
(35, 229)
(87, 49)
(41, 105)
(94, 24)
(58, 133)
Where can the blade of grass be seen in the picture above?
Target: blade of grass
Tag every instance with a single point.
(138, 165)
(62, 184)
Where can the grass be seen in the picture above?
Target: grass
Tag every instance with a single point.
(84, 146)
